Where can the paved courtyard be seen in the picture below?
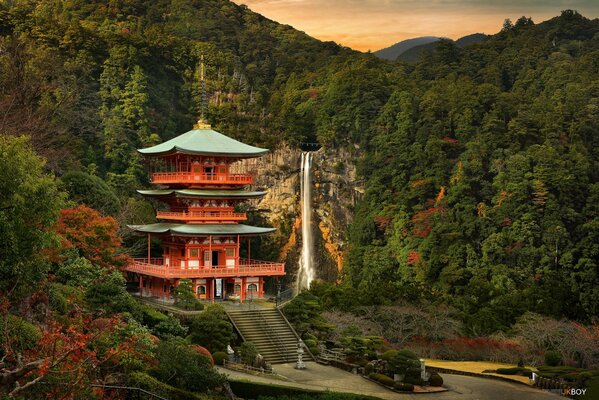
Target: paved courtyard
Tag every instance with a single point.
(322, 377)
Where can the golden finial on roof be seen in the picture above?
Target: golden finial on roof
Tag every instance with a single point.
(202, 122)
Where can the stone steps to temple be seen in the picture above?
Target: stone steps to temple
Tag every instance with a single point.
(268, 329)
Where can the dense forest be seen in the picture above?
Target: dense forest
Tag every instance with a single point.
(480, 162)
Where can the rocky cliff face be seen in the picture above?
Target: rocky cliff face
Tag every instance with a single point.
(336, 190)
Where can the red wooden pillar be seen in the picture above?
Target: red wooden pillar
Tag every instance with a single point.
(260, 287)
(141, 285)
(242, 295)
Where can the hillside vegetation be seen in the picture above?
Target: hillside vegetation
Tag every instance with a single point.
(480, 163)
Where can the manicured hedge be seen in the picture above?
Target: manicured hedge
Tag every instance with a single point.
(384, 379)
(435, 380)
(151, 384)
(514, 371)
(262, 391)
(404, 387)
(252, 390)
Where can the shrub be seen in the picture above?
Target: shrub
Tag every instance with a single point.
(404, 387)
(211, 329)
(204, 351)
(185, 296)
(220, 357)
(414, 380)
(404, 362)
(408, 354)
(171, 326)
(384, 379)
(368, 368)
(553, 358)
(388, 355)
(314, 350)
(435, 380)
(248, 353)
(310, 343)
(514, 371)
(151, 384)
(180, 366)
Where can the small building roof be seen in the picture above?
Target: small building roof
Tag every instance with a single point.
(200, 193)
(204, 142)
(201, 229)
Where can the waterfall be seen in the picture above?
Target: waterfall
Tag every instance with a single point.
(305, 272)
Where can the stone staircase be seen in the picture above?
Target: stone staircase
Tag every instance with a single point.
(270, 331)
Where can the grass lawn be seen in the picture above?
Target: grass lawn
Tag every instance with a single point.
(477, 367)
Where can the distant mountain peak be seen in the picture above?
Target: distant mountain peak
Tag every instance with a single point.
(394, 51)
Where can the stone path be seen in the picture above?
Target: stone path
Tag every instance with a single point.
(320, 377)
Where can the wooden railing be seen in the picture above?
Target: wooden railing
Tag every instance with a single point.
(202, 216)
(191, 177)
(245, 267)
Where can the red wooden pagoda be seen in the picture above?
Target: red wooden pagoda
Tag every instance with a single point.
(201, 232)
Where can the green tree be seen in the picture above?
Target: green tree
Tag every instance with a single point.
(29, 208)
(185, 296)
(211, 329)
(181, 366)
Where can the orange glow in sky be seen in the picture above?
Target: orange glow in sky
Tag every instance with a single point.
(375, 24)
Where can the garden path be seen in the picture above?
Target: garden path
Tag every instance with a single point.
(320, 377)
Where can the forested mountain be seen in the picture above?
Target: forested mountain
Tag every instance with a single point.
(392, 52)
(480, 162)
(415, 53)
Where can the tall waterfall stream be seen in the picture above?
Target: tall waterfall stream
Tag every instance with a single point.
(306, 272)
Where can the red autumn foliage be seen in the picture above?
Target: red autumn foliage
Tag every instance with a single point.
(382, 222)
(468, 349)
(204, 351)
(70, 354)
(448, 139)
(413, 257)
(421, 221)
(415, 184)
(94, 235)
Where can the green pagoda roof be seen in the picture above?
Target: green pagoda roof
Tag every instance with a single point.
(202, 229)
(240, 194)
(204, 142)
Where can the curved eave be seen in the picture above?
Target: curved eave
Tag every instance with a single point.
(206, 142)
(212, 194)
(181, 150)
(201, 229)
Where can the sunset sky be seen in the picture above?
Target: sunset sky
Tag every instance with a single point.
(375, 24)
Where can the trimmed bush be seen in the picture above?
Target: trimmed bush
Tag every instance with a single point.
(219, 357)
(435, 380)
(368, 369)
(408, 354)
(414, 380)
(248, 353)
(389, 354)
(514, 371)
(310, 343)
(151, 384)
(553, 358)
(404, 387)
(314, 350)
(384, 379)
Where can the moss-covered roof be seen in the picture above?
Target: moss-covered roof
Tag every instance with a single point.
(204, 142)
(202, 229)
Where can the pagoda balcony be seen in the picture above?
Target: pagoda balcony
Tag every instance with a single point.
(254, 268)
(202, 216)
(193, 177)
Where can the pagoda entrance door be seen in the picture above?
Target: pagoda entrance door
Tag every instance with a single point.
(209, 173)
(214, 258)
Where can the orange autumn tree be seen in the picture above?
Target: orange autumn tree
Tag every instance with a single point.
(92, 234)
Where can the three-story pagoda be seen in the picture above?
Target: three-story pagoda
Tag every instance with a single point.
(201, 232)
